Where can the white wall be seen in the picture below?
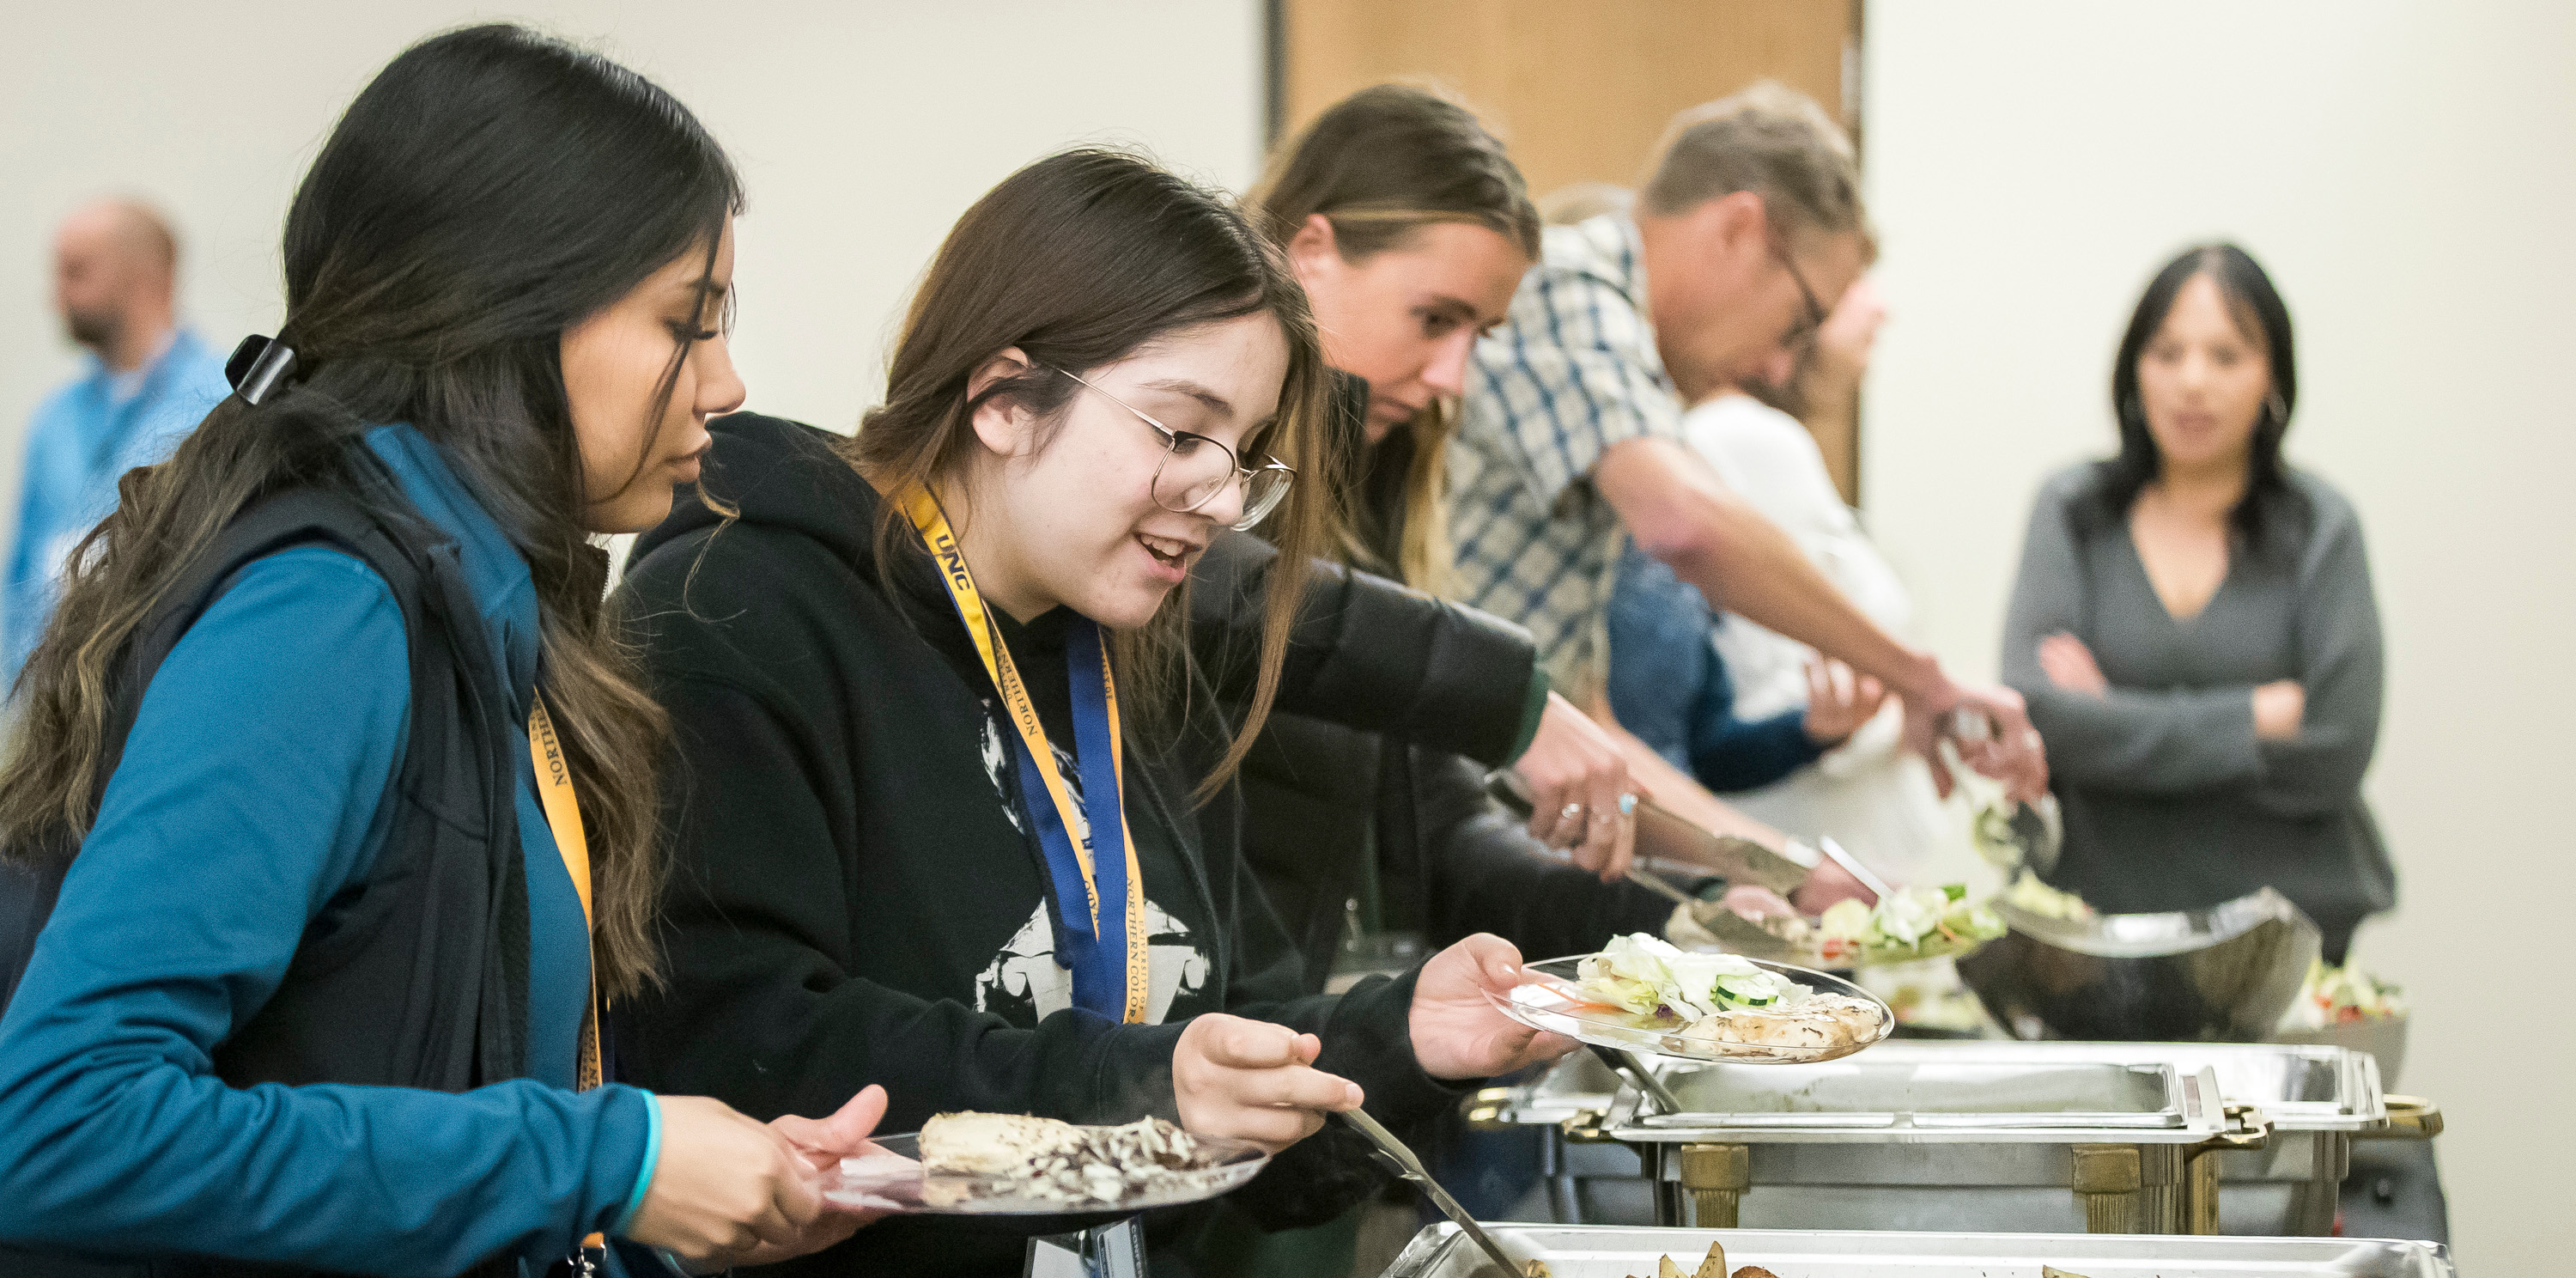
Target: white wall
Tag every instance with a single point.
(2402, 169)
(862, 130)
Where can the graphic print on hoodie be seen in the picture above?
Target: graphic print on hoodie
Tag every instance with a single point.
(1025, 983)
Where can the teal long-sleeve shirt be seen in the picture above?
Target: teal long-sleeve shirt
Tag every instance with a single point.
(247, 804)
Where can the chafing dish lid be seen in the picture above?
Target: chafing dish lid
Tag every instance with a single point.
(1439, 1252)
(1872, 1090)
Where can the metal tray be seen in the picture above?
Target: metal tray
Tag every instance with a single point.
(1927, 1090)
(1605, 1251)
(1946, 1099)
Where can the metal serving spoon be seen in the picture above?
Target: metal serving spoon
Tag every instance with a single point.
(1409, 1167)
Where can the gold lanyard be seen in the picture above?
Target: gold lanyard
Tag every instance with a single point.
(572, 843)
(951, 559)
(563, 813)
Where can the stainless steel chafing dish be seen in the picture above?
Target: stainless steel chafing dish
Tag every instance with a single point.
(2317, 1099)
(1988, 1135)
(1922, 1136)
(1579, 1251)
(1933, 1140)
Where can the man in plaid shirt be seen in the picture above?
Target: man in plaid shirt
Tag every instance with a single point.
(1571, 439)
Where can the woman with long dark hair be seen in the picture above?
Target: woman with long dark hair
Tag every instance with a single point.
(958, 811)
(2195, 629)
(351, 776)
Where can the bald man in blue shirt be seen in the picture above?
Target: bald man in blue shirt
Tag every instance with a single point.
(148, 383)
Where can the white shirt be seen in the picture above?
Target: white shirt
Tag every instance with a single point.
(1870, 793)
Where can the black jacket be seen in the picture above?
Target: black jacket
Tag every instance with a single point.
(1340, 788)
(854, 900)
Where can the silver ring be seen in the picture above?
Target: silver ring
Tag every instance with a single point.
(1570, 812)
(1628, 805)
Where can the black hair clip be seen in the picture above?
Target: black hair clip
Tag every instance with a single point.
(257, 366)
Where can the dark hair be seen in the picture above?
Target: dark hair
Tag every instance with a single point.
(1078, 260)
(2270, 507)
(1382, 164)
(487, 191)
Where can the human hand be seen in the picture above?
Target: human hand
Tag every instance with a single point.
(1827, 884)
(725, 1187)
(1579, 785)
(1254, 1081)
(1839, 701)
(2010, 750)
(1753, 901)
(1456, 1031)
(2070, 665)
(822, 1143)
(2007, 749)
(2280, 709)
(1844, 340)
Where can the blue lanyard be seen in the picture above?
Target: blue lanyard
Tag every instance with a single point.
(1100, 901)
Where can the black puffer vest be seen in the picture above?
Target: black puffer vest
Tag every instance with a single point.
(422, 980)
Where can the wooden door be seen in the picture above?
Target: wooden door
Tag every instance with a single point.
(1580, 89)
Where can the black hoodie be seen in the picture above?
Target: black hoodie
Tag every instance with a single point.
(854, 899)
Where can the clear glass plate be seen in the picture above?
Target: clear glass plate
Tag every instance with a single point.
(1548, 999)
(893, 1180)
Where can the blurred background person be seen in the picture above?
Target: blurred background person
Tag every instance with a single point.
(148, 382)
(1868, 792)
(2195, 628)
(1571, 444)
(1409, 228)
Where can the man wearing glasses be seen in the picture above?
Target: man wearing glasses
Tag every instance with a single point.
(1571, 443)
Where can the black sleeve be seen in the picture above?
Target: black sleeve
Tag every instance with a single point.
(1366, 653)
(1484, 873)
(1365, 1033)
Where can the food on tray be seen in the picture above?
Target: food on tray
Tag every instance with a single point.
(1713, 1266)
(2343, 996)
(974, 1155)
(1912, 923)
(1721, 998)
(2029, 894)
(1907, 923)
(983, 1144)
(1927, 996)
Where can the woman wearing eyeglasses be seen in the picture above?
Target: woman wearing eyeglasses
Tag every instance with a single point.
(953, 805)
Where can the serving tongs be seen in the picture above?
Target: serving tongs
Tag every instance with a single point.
(2011, 835)
(1693, 848)
(1401, 1159)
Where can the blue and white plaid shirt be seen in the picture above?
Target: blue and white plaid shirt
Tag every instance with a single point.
(1572, 371)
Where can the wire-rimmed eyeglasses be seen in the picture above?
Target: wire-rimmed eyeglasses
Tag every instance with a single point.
(1804, 330)
(1196, 468)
